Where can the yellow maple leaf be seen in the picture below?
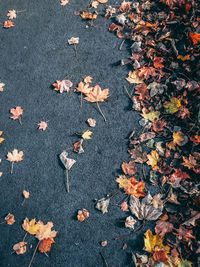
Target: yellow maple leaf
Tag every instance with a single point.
(154, 241)
(87, 135)
(31, 226)
(173, 105)
(133, 77)
(123, 181)
(88, 79)
(1, 138)
(153, 159)
(151, 116)
(178, 138)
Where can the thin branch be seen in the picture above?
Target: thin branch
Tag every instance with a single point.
(104, 259)
(34, 254)
(67, 174)
(12, 165)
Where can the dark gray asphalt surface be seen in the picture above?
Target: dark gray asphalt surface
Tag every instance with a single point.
(33, 55)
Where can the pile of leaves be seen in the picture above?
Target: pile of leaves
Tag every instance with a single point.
(164, 40)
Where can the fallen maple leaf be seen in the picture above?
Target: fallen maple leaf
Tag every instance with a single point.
(62, 86)
(94, 4)
(44, 231)
(173, 105)
(131, 186)
(64, 2)
(151, 116)
(160, 255)
(42, 125)
(133, 78)
(191, 163)
(142, 91)
(158, 125)
(87, 135)
(97, 95)
(8, 24)
(31, 226)
(15, 156)
(157, 62)
(91, 122)
(145, 209)
(184, 234)
(130, 222)
(146, 72)
(20, 248)
(82, 215)
(163, 227)
(88, 79)
(195, 140)
(129, 168)
(12, 14)
(10, 219)
(154, 241)
(195, 37)
(1, 86)
(153, 159)
(17, 112)
(45, 245)
(178, 138)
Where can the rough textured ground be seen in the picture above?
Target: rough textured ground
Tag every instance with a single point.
(34, 54)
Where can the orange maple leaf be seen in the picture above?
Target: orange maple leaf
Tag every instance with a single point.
(157, 62)
(135, 188)
(142, 91)
(8, 24)
(160, 255)
(129, 168)
(42, 125)
(17, 112)
(146, 72)
(195, 140)
(45, 245)
(84, 88)
(195, 37)
(158, 125)
(88, 15)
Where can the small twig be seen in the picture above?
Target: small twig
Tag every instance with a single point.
(114, 194)
(34, 254)
(127, 92)
(143, 170)
(19, 11)
(12, 165)
(139, 228)
(101, 111)
(104, 259)
(46, 254)
(120, 48)
(67, 174)
(25, 236)
(23, 202)
(81, 99)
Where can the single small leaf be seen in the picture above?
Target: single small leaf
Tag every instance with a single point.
(31, 226)
(20, 248)
(82, 215)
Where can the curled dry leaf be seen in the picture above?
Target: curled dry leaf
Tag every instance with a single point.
(82, 215)
(91, 122)
(67, 162)
(64, 2)
(45, 232)
(102, 204)
(2, 86)
(73, 40)
(88, 79)
(104, 243)
(144, 209)
(10, 218)
(12, 14)
(20, 248)
(140, 260)
(62, 86)
(124, 206)
(133, 78)
(102, 1)
(78, 147)
(45, 245)
(8, 24)
(89, 15)
(42, 125)
(130, 222)
(31, 226)
(26, 194)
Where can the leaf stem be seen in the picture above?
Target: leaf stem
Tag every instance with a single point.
(67, 175)
(25, 236)
(75, 49)
(23, 202)
(34, 254)
(20, 120)
(81, 99)
(104, 259)
(101, 111)
(12, 165)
